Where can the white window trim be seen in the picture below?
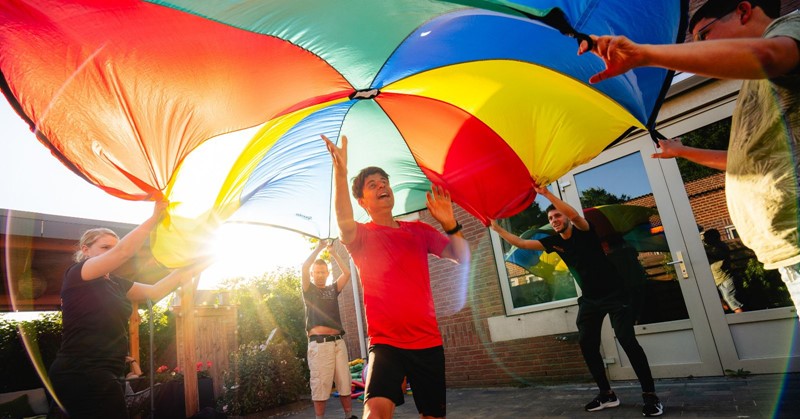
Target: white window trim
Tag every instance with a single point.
(502, 275)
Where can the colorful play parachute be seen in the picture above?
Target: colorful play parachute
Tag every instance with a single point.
(219, 105)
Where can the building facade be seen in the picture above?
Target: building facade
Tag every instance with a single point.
(505, 325)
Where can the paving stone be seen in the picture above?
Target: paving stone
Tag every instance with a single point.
(718, 397)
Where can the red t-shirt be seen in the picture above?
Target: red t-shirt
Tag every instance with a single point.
(393, 266)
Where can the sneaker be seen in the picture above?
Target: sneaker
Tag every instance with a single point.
(652, 406)
(602, 401)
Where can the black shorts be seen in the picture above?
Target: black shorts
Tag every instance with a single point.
(424, 368)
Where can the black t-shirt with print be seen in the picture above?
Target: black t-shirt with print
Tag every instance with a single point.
(587, 262)
(322, 306)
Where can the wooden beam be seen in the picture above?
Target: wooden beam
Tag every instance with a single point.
(133, 331)
(186, 349)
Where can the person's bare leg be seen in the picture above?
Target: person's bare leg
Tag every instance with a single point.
(378, 408)
(319, 408)
(347, 405)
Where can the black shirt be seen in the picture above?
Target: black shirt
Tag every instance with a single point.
(322, 306)
(95, 317)
(587, 262)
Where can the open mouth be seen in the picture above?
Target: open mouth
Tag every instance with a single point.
(383, 195)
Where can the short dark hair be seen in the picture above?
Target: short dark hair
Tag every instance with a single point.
(715, 9)
(549, 208)
(358, 181)
(711, 236)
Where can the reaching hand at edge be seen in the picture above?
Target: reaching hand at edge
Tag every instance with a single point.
(619, 54)
(669, 148)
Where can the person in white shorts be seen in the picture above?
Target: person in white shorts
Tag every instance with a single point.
(327, 351)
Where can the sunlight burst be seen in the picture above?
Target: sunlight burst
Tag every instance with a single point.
(248, 250)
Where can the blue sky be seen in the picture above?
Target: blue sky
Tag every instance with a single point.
(35, 181)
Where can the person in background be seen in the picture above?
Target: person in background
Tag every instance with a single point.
(719, 258)
(604, 294)
(392, 261)
(327, 351)
(96, 306)
(741, 40)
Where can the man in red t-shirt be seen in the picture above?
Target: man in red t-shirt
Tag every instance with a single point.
(392, 261)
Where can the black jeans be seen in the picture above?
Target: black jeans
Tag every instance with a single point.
(622, 315)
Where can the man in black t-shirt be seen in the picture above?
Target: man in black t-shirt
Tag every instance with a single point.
(603, 293)
(327, 351)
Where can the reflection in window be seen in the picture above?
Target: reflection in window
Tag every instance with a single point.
(534, 277)
(754, 287)
(618, 201)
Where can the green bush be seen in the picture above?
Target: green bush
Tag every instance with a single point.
(44, 339)
(763, 288)
(262, 376)
(164, 338)
(271, 301)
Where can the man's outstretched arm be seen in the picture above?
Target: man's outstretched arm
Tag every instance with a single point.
(342, 204)
(715, 159)
(344, 278)
(516, 240)
(305, 271)
(744, 58)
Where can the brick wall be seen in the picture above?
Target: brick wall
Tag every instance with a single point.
(707, 199)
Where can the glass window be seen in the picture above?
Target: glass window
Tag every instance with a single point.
(533, 277)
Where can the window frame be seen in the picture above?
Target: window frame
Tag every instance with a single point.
(505, 286)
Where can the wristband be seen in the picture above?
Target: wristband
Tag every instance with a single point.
(455, 229)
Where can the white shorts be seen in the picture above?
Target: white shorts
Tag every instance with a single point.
(328, 364)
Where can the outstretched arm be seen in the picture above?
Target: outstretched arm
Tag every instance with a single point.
(743, 58)
(715, 159)
(344, 278)
(176, 278)
(577, 219)
(342, 204)
(125, 249)
(516, 240)
(305, 271)
(441, 208)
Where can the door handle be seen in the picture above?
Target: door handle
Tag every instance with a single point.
(681, 265)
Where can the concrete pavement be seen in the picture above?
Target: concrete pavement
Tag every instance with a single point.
(758, 396)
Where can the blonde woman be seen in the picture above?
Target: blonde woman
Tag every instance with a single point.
(96, 305)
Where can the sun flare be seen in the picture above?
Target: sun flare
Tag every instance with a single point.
(247, 250)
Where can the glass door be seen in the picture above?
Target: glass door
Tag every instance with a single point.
(625, 195)
(750, 312)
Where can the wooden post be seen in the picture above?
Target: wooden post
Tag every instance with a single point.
(214, 334)
(133, 331)
(186, 351)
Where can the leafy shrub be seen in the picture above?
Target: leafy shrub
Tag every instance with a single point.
(273, 300)
(262, 376)
(164, 337)
(764, 288)
(44, 339)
